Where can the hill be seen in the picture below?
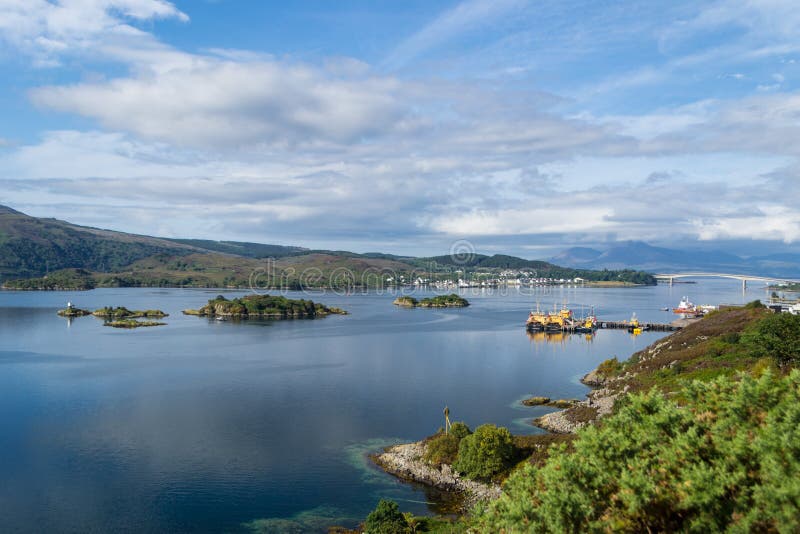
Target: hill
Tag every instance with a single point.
(31, 247)
(245, 249)
(51, 254)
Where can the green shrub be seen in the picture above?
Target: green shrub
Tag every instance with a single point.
(485, 453)
(609, 367)
(755, 305)
(460, 430)
(442, 449)
(776, 335)
(386, 519)
(726, 459)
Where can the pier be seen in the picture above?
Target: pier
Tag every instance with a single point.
(578, 328)
(624, 325)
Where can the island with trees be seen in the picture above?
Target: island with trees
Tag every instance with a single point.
(264, 307)
(440, 301)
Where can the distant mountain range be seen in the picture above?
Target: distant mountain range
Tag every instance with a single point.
(640, 255)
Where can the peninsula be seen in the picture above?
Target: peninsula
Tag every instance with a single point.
(264, 307)
(712, 402)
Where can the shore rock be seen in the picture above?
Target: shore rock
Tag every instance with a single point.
(406, 461)
(598, 404)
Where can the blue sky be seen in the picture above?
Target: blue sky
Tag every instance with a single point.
(522, 126)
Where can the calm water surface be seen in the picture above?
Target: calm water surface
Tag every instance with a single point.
(222, 426)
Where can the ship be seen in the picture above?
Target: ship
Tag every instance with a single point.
(635, 327)
(688, 308)
(557, 321)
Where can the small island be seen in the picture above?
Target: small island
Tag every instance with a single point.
(117, 317)
(121, 312)
(264, 307)
(72, 311)
(441, 301)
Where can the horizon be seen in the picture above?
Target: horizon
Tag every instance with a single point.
(523, 128)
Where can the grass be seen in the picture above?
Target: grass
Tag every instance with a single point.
(705, 350)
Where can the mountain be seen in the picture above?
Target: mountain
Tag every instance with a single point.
(245, 249)
(640, 255)
(576, 256)
(52, 254)
(30, 246)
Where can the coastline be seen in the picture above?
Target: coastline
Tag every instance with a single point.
(405, 461)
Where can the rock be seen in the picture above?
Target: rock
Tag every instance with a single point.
(406, 461)
(563, 403)
(593, 378)
(535, 401)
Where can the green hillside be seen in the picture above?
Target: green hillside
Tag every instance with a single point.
(242, 248)
(31, 247)
(50, 254)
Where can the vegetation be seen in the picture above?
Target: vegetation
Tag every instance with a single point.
(727, 458)
(406, 302)
(440, 301)
(444, 301)
(443, 448)
(63, 280)
(48, 254)
(708, 440)
(609, 367)
(73, 312)
(386, 519)
(247, 250)
(121, 312)
(264, 306)
(535, 401)
(485, 453)
(33, 247)
(776, 336)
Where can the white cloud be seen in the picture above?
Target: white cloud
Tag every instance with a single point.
(46, 30)
(774, 222)
(213, 102)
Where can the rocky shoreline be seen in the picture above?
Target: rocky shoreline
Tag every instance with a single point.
(406, 462)
(599, 403)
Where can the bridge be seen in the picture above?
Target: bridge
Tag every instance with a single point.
(743, 277)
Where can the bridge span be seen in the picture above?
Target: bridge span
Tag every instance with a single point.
(743, 277)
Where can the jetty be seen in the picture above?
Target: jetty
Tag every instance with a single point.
(625, 325)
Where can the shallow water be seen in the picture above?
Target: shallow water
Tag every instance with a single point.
(224, 426)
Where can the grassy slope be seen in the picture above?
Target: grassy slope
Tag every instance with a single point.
(702, 351)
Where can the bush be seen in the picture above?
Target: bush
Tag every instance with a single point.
(386, 519)
(609, 367)
(777, 336)
(460, 430)
(726, 459)
(442, 449)
(485, 453)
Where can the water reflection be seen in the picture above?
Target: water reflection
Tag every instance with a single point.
(558, 338)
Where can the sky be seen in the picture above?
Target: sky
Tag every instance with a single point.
(411, 127)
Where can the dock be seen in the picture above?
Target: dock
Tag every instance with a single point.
(624, 325)
(578, 328)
